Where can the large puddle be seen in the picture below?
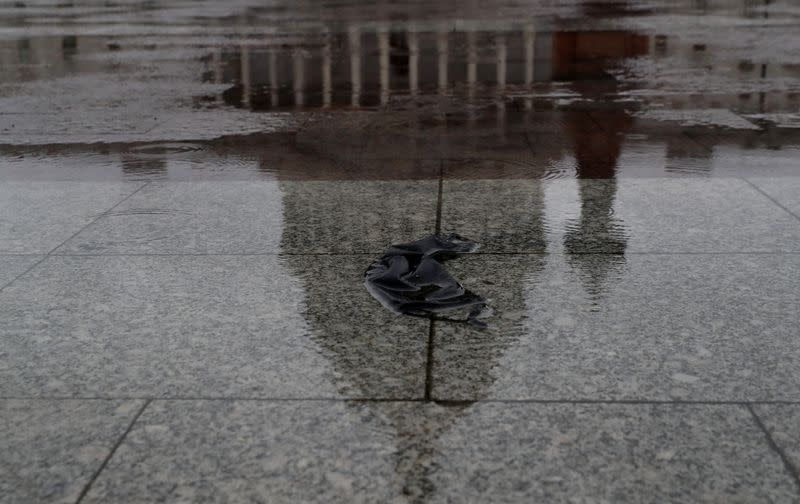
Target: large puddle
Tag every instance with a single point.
(173, 91)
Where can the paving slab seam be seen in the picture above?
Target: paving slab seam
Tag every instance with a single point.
(529, 143)
(429, 360)
(215, 254)
(50, 253)
(29, 268)
(629, 253)
(111, 453)
(791, 469)
(773, 200)
(444, 402)
(595, 121)
(377, 252)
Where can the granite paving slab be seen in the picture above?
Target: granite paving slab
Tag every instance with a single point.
(782, 421)
(784, 190)
(699, 327)
(49, 450)
(218, 451)
(263, 217)
(205, 326)
(613, 216)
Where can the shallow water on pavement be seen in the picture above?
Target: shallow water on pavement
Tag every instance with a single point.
(191, 192)
(186, 91)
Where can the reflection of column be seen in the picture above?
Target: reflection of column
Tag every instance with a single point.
(298, 66)
(472, 64)
(501, 117)
(501, 68)
(273, 79)
(216, 63)
(245, 62)
(326, 73)
(383, 63)
(413, 62)
(441, 48)
(528, 39)
(355, 64)
(502, 54)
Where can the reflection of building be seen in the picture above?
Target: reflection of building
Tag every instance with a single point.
(361, 359)
(47, 57)
(361, 66)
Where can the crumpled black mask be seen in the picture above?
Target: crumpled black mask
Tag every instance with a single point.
(410, 278)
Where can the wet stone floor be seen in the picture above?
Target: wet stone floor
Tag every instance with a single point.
(191, 193)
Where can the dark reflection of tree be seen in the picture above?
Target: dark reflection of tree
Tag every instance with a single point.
(597, 230)
(366, 349)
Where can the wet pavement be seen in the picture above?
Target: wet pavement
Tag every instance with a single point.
(192, 192)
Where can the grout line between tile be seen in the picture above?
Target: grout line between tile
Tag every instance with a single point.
(595, 121)
(29, 268)
(100, 216)
(443, 402)
(111, 453)
(773, 200)
(791, 469)
(429, 360)
(337, 254)
(529, 143)
(222, 254)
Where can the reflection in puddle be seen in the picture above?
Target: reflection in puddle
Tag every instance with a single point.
(410, 279)
(566, 89)
(164, 149)
(390, 102)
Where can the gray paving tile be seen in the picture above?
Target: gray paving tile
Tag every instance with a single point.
(12, 266)
(784, 190)
(219, 451)
(783, 423)
(49, 450)
(17, 128)
(205, 326)
(36, 217)
(643, 327)
(264, 217)
(637, 215)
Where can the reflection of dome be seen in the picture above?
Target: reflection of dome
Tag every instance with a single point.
(387, 358)
(595, 271)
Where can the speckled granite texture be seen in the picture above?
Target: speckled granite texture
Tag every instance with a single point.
(636, 327)
(191, 193)
(232, 326)
(50, 450)
(221, 451)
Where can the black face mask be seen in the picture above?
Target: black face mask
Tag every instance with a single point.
(410, 278)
